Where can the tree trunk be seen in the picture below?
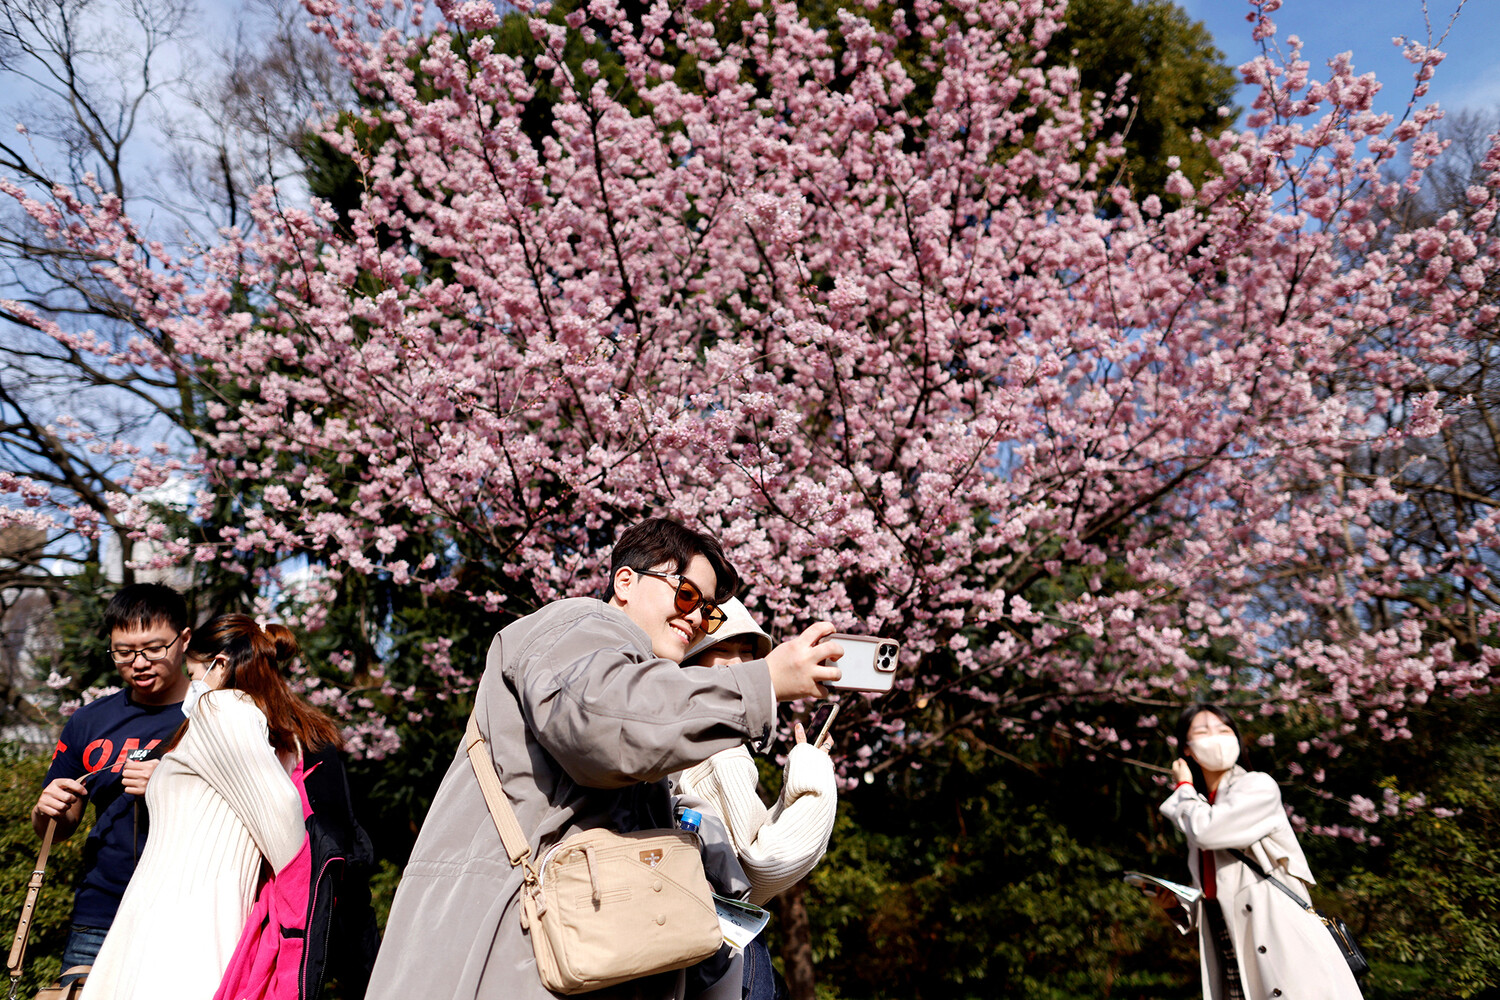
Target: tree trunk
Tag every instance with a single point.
(796, 947)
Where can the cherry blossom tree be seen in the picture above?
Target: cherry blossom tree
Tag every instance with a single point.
(124, 102)
(870, 303)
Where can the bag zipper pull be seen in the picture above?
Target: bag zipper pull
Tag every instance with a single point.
(588, 854)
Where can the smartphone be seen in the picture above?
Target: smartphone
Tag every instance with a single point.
(822, 721)
(868, 663)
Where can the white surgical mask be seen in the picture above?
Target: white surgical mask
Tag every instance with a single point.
(1217, 752)
(197, 689)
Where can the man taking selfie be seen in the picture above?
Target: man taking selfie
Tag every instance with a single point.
(584, 711)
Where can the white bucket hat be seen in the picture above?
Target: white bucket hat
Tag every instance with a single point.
(737, 622)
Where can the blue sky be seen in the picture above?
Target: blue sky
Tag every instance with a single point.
(1468, 78)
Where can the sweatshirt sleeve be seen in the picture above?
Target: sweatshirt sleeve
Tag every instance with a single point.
(612, 716)
(67, 757)
(231, 751)
(1246, 809)
(777, 847)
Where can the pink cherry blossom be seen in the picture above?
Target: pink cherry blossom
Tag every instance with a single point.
(922, 360)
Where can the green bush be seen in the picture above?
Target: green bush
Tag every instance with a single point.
(18, 853)
(989, 873)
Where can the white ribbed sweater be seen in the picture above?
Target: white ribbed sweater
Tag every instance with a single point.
(220, 802)
(776, 846)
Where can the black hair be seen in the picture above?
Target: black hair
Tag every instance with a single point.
(142, 605)
(1185, 722)
(658, 540)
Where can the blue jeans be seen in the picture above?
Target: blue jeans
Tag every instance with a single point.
(761, 981)
(81, 949)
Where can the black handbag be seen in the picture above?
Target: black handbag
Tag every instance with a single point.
(1342, 936)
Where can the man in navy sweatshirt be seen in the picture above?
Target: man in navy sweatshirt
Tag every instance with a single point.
(148, 633)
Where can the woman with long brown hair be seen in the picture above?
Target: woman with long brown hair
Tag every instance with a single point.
(222, 805)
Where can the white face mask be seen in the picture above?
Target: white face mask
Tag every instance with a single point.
(1217, 752)
(197, 689)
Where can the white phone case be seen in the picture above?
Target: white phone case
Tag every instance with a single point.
(868, 664)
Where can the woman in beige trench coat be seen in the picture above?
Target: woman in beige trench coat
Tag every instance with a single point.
(1254, 940)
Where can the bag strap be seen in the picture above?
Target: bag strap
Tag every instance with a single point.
(501, 812)
(33, 889)
(1254, 866)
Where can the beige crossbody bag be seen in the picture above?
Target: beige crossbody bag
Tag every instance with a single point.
(604, 907)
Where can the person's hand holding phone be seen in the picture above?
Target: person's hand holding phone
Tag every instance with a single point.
(799, 667)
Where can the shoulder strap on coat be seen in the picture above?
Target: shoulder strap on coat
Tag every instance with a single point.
(1254, 866)
(504, 816)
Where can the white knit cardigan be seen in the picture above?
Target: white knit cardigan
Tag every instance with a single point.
(776, 846)
(220, 801)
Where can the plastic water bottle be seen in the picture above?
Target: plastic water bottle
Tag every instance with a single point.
(690, 820)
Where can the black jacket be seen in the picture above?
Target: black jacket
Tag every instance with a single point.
(341, 935)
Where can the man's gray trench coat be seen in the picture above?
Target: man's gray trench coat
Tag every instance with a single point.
(584, 724)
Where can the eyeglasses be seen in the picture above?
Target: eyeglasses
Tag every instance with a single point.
(690, 599)
(153, 654)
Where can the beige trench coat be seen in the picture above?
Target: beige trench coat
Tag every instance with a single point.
(1284, 952)
(584, 724)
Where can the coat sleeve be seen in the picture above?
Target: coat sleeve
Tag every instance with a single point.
(231, 751)
(612, 716)
(1246, 809)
